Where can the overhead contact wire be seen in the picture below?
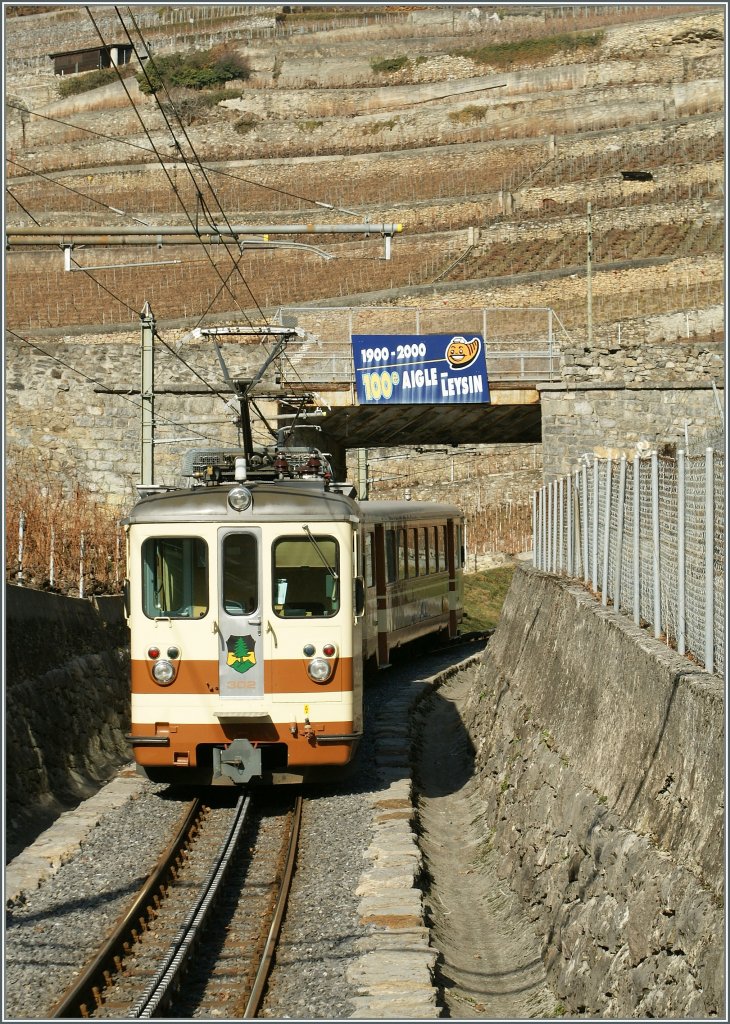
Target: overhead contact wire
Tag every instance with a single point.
(208, 167)
(200, 166)
(183, 157)
(172, 184)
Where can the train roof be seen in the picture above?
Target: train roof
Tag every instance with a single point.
(273, 500)
(281, 500)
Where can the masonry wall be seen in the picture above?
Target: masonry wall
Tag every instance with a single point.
(66, 703)
(600, 756)
(615, 419)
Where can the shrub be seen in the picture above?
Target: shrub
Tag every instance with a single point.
(389, 64)
(468, 115)
(203, 69)
(527, 51)
(76, 84)
(193, 108)
(59, 512)
(246, 124)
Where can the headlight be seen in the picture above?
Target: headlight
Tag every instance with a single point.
(319, 670)
(239, 498)
(163, 672)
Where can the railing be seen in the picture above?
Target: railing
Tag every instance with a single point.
(522, 344)
(648, 537)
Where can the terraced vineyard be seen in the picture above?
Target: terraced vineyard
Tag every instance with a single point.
(464, 173)
(485, 136)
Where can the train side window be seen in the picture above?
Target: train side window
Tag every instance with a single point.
(369, 572)
(459, 552)
(432, 550)
(402, 564)
(390, 555)
(423, 551)
(442, 548)
(175, 577)
(306, 577)
(412, 552)
(240, 574)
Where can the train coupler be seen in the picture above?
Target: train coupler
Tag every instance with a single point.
(241, 761)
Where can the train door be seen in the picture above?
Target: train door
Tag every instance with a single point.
(240, 650)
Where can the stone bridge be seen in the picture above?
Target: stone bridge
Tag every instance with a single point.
(521, 352)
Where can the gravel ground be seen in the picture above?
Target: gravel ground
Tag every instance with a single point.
(53, 933)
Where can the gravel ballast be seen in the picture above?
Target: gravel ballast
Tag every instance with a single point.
(53, 930)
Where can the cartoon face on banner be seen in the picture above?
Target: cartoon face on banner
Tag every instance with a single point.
(461, 353)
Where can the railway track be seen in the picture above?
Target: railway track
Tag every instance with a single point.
(199, 938)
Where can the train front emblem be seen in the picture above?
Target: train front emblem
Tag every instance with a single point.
(241, 653)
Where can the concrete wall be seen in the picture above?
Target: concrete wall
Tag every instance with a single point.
(66, 704)
(600, 756)
(616, 418)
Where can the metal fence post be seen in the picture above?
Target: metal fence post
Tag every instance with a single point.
(561, 502)
(117, 555)
(81, 565)
(584, 519)
(606, 532)
(569, 516)
(709, 560)
(535, 559)
(577, 568)
(620, 534)
(681, 551)
(549, 523)
(543, 528)
(554, 485)
(595, 524)
(52, 560)
(637, 541)
(21, 539)
(656, 564)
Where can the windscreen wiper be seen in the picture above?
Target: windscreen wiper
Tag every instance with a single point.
(323, 558)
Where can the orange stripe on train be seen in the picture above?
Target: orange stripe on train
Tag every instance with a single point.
(285, 675)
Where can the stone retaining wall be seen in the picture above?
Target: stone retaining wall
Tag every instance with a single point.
(67, 703)
(617, 419)
(601, 761)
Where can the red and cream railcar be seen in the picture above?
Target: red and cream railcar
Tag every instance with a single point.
(252, 607)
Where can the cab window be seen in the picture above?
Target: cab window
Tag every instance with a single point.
(240, 574)
(306, 577)
(175, 577)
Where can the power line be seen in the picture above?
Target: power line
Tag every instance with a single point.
(208, 167)
(31, 170)
(26, 212)
(195, 155)
(122, 302)
(171, 183)
(185, 159)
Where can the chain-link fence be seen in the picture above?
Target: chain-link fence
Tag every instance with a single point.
(647, 536)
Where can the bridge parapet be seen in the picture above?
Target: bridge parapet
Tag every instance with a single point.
(522, 344)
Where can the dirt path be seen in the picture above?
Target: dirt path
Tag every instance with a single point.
(491, 966)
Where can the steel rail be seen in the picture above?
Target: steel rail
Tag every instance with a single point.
(262, 972)
(181, 947)
(94, 977)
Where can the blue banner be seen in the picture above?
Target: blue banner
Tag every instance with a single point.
(420, 369)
